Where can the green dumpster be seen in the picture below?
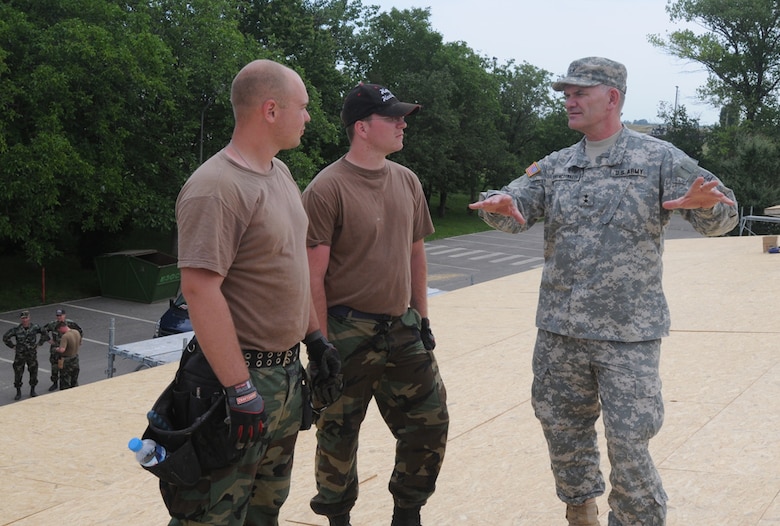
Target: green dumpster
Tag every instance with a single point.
(138, 275)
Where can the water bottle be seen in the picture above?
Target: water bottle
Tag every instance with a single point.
(147, 451)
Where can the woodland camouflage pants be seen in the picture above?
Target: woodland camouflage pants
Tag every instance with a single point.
(384, 360)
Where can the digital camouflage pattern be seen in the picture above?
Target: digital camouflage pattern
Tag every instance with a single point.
(385, 361)
(602, 311)
(603, 234)
(575, 380)
(261, 483)
(25, 343)
(592, 71)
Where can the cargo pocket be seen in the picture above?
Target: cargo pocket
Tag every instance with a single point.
(648, 412)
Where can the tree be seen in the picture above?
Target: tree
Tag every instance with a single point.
(306, 36)
(534, 123)
(748, 162)
(82, 79)
(741, 51)
(682, 131)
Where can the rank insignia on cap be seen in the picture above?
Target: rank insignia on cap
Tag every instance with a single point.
(532, 170)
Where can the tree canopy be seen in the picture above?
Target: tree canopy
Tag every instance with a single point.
(109, 105)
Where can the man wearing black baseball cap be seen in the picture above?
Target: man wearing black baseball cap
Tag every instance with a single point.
(365, 100)
(368, 219)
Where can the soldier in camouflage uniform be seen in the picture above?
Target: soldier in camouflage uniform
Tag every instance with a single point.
(602, 312)
(50, 329)
(25, 339)
(367, 222)
(68, 353)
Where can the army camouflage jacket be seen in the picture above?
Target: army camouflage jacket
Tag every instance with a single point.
(51, 332)
(603, 234)
(21, 339)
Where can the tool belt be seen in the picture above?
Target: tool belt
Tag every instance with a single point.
(259, 359)
(189, 420)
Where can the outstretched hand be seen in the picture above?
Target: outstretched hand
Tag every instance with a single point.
(500, 204)
(699, 195)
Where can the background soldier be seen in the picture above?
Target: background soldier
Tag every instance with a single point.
(22, 339)
(50, 330)
(68, 352)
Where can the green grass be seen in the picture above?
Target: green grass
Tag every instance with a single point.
(24, 285)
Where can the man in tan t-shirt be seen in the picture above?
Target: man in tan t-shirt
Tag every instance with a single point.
(70, 341)
(368, 219)
(245, 276)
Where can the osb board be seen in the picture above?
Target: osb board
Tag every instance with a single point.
(718, 452)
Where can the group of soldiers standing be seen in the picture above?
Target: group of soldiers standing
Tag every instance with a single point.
(64, 338)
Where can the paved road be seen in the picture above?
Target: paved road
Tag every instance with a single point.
(453, 263)
(461, 261)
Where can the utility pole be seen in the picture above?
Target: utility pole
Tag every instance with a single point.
(676, 93)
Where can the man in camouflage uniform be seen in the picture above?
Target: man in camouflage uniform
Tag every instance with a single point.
(50, 329)
(25, 339)
(68, 352)
(368, 219)
(602, 312)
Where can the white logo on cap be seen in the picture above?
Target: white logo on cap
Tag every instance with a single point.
(386, 95)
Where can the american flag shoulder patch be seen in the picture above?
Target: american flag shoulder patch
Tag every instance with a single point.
(532, 170)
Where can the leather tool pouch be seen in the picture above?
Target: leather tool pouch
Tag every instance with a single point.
(189, 420)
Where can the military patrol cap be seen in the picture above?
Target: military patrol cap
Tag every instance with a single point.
(592, 71)
(59, 312)
(365, 100)
(24, 314)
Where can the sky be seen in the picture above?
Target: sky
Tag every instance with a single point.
(550, 34)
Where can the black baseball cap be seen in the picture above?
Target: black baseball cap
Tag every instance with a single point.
(365, 100)
(59, 312)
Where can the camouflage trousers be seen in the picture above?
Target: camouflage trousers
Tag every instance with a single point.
(55, 372)
(574, 382)
(385, 361)
(69, 373)
(252, 491)
(29, 358)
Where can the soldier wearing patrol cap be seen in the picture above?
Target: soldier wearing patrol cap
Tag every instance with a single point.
(25, 339)
(602, 312)
(54, 336)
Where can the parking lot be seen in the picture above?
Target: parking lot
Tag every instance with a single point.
(453, 263)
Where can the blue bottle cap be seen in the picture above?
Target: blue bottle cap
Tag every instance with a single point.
(135, 444)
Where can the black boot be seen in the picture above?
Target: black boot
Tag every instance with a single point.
(18, 394)
(406, 517)
(339, 520)
(33, 394)
(53, 387)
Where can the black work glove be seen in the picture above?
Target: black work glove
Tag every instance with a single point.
(324, 369)
(246, 413)
(429, 342)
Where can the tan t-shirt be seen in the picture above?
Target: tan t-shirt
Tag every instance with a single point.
(369, 218)
(71, 341)
(250, 228)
